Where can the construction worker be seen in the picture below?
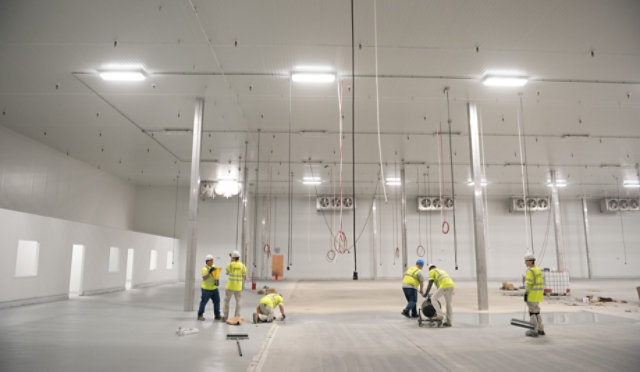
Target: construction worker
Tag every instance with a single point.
(264, 311)
(210, 276)
(534, 293)
(445, 288)
(236, 271)
(410, 282)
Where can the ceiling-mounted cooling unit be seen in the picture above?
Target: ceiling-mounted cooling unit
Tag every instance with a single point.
(206, 190)
(531, 204)
(334, 203)
(434, 203)
(612, 205)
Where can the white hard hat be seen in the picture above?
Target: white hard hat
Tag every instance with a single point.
(529, 257)
(209, 257)
(235, 254)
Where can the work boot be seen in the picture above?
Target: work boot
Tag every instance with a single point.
(405, 313)
(531, 333)
(200, 318)
(218, 317)
(255, 318)
(445, 324)
(414, 315)
(541, 333)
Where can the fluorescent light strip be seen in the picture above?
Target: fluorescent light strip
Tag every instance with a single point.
(483, 182)
(559, 183)
(313, 77)
(393, 181)
(504, 81)
(122, 75)
(311, 180)
(631, 183)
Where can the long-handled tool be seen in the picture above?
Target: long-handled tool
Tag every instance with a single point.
(237, 337)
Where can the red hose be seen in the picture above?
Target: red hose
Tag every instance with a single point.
(420, 251)
(445, 227)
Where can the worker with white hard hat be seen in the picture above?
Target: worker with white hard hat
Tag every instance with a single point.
(534, 294)
(410, 282)
(445, 286)
(265, 310)
(210, 277)
(236, 271)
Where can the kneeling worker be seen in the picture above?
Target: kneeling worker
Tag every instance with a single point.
(445, 288)
(264, 311)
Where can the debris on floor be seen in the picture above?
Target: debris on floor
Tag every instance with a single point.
(236, 320)
(508, 287)
(187, 331)
(266, 290)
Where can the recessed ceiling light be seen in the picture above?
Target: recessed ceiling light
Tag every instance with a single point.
(311, 180)
(631, 183)
(313, 77)
(504, 81)
(559, 183)
(393, 181)
(122, 75)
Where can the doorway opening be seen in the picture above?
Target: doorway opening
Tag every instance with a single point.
(129, 278)
(77, 266)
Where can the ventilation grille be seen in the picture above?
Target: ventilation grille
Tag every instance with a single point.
(531, 204)
(333, 203)
(612, 205)
(434, 203)
(206, 190)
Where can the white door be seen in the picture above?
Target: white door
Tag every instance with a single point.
(77, 265)
(129, 278)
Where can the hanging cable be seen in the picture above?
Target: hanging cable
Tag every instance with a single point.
(453, 190)
(624, 242)
(353, 140)
(375, 48)
(420, 249)
(309, 227)
(525, 180)
(267, 212)
(428, 220)
(340, 239)
(290, 176)
(396, 219)
(445, 224)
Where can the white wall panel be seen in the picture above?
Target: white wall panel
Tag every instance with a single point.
(37, 179)
(56, 238)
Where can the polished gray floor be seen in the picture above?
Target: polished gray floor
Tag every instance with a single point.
(330, 326)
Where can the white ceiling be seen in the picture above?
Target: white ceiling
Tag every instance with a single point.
(583, 57)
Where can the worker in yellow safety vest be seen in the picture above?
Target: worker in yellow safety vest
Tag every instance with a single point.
(445, 289)
(534, 293)
(236, 271)
(210, 277)
(268, 303)
(410, 282)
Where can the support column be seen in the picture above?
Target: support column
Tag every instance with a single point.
(245, 198)
(192, 224)
(557, 220)
(375, 239)
(478, 208)
(585, 220)
(403, 211)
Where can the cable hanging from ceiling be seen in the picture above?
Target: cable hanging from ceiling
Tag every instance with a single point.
(340, 239)
(375, 48)
(420, 251)
(396, 218)
(290, 196)
(453, 190)
(524, 171)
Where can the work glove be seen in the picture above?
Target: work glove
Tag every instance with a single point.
(525, 297)
(211, 269)
(216, 282)
(283, 317)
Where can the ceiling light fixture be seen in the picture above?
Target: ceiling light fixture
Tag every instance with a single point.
(313, 77)
(227, 188)
(559, 183)
(393, 181)
(122, 75)
(504, 81)
(311, 180)
(631, 183)
(483, 182)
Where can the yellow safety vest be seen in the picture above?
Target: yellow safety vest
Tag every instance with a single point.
(411, 276)
(441, 278)
(534, 285)
(272, 300)
(210, 282)
(236, 270)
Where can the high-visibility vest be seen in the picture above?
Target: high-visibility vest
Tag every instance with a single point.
(441, 278)
(411, 276)
(236, 270)
(272, 300)
(210, 282)
(534, 285)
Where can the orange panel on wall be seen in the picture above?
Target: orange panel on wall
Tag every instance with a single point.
(277, 267)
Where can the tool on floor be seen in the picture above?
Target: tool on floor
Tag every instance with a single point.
(429, 312)
(187, 331)
(237, 337)
(521, 323)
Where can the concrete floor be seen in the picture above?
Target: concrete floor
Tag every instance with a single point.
(336, 325)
